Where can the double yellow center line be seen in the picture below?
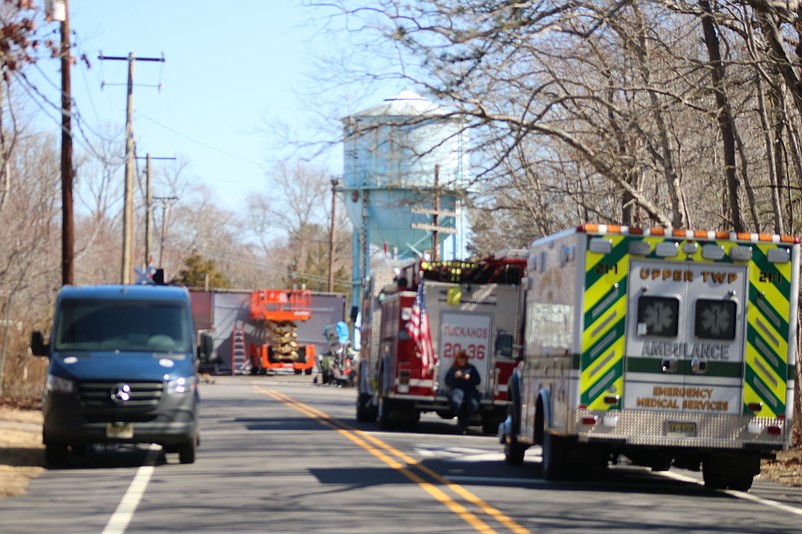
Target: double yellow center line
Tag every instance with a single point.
(405, 464)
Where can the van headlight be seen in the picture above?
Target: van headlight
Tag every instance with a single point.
(181, 385)
(56, 384)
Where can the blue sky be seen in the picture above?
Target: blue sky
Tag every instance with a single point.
(230, 68)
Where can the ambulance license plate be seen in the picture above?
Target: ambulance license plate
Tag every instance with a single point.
(681, 429)
(120, 430)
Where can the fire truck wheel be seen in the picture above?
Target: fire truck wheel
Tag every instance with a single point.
(555, 453)
(491, 421)
(385, 420)
(364, 412)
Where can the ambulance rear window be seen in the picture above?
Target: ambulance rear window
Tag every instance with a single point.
(658, 316)
(715, 319)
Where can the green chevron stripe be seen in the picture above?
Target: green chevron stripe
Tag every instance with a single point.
(598, 389)
(602, 345)
(770, 314)
(763, 265)
(774, 361)
(619, 251)
(604, 303)
(775, 405)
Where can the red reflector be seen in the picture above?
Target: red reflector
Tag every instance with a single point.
(589, 420)
(774, 430)
(583, 406)
(781, 416)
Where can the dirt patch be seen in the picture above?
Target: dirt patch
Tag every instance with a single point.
(21, 449)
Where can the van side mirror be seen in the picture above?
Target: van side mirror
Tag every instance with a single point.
(206, 348)
(38, 345)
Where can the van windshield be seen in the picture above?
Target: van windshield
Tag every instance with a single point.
(108, 325)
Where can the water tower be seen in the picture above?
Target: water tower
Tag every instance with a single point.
(403, 160)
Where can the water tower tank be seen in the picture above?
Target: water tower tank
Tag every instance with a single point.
(391, 153)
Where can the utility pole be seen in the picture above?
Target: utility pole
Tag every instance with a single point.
(166, 201)
(149, 207)
(435, 227)
(67, 223)
(127, 266)
(334, 183)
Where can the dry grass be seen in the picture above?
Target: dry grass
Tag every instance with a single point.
(21, 450)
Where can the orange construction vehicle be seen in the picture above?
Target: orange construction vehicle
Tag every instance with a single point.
(277, 312)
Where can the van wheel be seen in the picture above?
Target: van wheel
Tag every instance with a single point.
(55, 454)
(186, 452)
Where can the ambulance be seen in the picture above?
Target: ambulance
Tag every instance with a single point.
(664, 347)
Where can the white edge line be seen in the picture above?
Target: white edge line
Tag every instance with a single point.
(125, 510)
(739, 494)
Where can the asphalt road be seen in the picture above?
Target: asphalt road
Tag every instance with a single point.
(279, 454)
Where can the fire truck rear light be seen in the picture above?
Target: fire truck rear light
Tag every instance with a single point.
(774, 430)
(589, 420)
(754, 406)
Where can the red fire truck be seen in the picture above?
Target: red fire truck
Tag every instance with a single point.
(475, 306)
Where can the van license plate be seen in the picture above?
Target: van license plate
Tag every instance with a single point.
(681, 429)
(120, 430)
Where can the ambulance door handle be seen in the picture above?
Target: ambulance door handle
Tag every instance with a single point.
(669, 365)
(699, 366)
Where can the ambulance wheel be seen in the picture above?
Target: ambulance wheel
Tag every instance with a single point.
(730, 473)
(555, 453)
(513, 451)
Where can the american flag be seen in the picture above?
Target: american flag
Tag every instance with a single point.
(418, 329)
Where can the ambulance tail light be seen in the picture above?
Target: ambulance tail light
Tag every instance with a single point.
(774, 430)
(754, 407)
(590, 420)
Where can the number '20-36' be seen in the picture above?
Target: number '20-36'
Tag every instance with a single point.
(472, 350)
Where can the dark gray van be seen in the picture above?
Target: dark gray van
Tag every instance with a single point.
(123, 361)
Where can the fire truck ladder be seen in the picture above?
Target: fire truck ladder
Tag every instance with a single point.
(240, 364)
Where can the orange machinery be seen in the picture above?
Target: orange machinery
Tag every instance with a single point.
(278, 311)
